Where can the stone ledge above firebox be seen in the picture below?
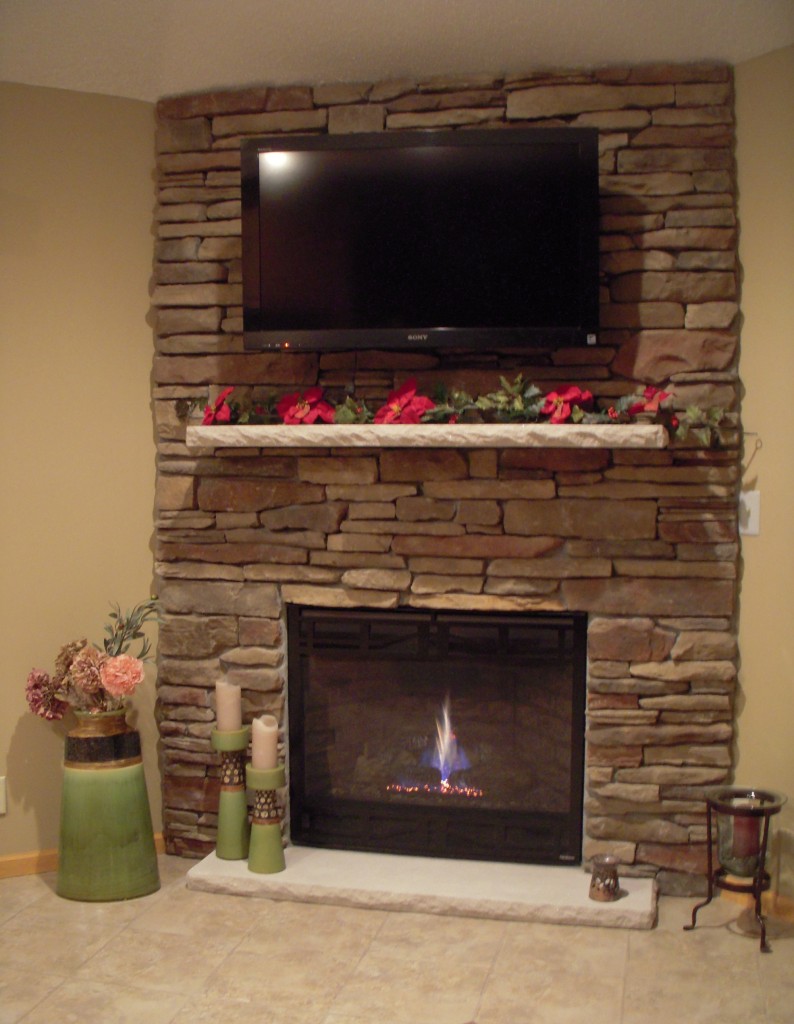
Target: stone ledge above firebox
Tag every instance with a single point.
(430, 435)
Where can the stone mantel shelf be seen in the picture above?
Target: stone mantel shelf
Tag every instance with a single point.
(430, 435)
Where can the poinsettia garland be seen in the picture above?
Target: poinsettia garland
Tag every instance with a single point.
(515, 402)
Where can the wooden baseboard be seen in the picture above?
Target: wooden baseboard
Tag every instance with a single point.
(38, 862)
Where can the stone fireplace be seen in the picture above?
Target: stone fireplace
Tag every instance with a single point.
(643, 540)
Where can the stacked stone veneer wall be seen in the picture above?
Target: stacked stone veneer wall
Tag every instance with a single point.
(646, 542)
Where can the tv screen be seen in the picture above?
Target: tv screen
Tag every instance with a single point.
(421, 239)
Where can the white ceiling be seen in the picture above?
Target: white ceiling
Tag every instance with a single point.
(145, 49)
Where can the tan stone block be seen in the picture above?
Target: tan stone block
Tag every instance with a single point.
(447, 566)
(711, 95)
(687, 858)
(180, 212)
(183, 321)
(624, 262)
(613, 755)
(196, 636)
(475, 546)
(436, 584)
(635, 830)
(704, 645)
(358, 118)
(357, 542)
(372, 510)
(664, 775)
(202, 228)
(338, 470)
(628, 639)
(403, 465)
(550, 568)
(256, 680)
(325, 517)
(365, 493)
(416, 509)
(338, 597)
(642, 314)
(252, 657)
(689, 238)
(620, 549)
(623, 596)
(684, 136)
(589, 519)
(233, 554)
(625, 852)
(650, 161)
(268, 370)
(240, 495)
(377, 579)
(355, 560)
(558, 100)
(189, 273)
(701, 217)
(443, 118)
(660, 184)
(174, 492)
(197, 571)
(217, 102)
(185, 163)
(613, 120)
(711, 314)
(479, 513)
(484, 603)
(685, 671)
(490, 489)
(674, 570)
(695, 72)
(269, 122)
(698, 532)
(398, 527)
(192, 672)
(326, 94)
(212, 294)
(483, 462)
(553, 460)
(705, 115)
(220, 249)
(512, 585)
(628, 793)
(683, 754)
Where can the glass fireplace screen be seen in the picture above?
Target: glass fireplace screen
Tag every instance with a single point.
(441, 734)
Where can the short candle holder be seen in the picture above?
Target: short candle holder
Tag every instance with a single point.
(233, 827)
(266, 852)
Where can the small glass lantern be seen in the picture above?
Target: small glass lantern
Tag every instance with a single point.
(742, 815)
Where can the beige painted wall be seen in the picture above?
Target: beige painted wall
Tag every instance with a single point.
(765, 156)
(77, 470)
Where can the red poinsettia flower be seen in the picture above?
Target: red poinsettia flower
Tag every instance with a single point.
(651, 400)
(308, 407)
(404, 406)
(559, 405)
(219, 411)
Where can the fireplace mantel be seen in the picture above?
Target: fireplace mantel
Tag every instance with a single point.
(430, 435)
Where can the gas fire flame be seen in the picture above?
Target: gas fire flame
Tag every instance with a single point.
(447, 756)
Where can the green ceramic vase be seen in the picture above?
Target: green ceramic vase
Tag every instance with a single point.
(106, 848)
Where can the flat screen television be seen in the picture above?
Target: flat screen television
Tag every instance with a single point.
(403, 240)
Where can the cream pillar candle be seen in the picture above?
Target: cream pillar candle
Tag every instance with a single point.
(264, 741)
(228, 706)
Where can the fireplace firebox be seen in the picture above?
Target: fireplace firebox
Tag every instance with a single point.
(436, 733)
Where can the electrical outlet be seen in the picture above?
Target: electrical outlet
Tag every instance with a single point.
(750, 513)
(3, 804)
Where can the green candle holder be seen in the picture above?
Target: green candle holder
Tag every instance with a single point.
(233, 827)
(266, 852)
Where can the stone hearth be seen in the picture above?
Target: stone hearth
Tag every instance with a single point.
(642, 539)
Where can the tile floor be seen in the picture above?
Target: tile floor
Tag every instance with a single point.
(186, 957)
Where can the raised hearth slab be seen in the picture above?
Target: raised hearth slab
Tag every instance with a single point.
(429, 885)
(431, 435)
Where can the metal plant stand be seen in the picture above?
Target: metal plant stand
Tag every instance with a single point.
(742, 834)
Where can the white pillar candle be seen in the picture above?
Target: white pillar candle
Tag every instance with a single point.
(264, 741)
(228, 706)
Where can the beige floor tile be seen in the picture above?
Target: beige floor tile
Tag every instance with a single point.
(414, 936)
(343, 932)
(440, 989)
(21, 991)
(282, 981)
(88, 1002)
(20, 893)
(213, 1009)
(156, 961)
(181, 911)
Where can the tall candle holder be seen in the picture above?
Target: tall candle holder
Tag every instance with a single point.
(266, 851)
(233, 827)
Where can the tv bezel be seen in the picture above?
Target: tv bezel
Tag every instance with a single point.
(420, 336)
